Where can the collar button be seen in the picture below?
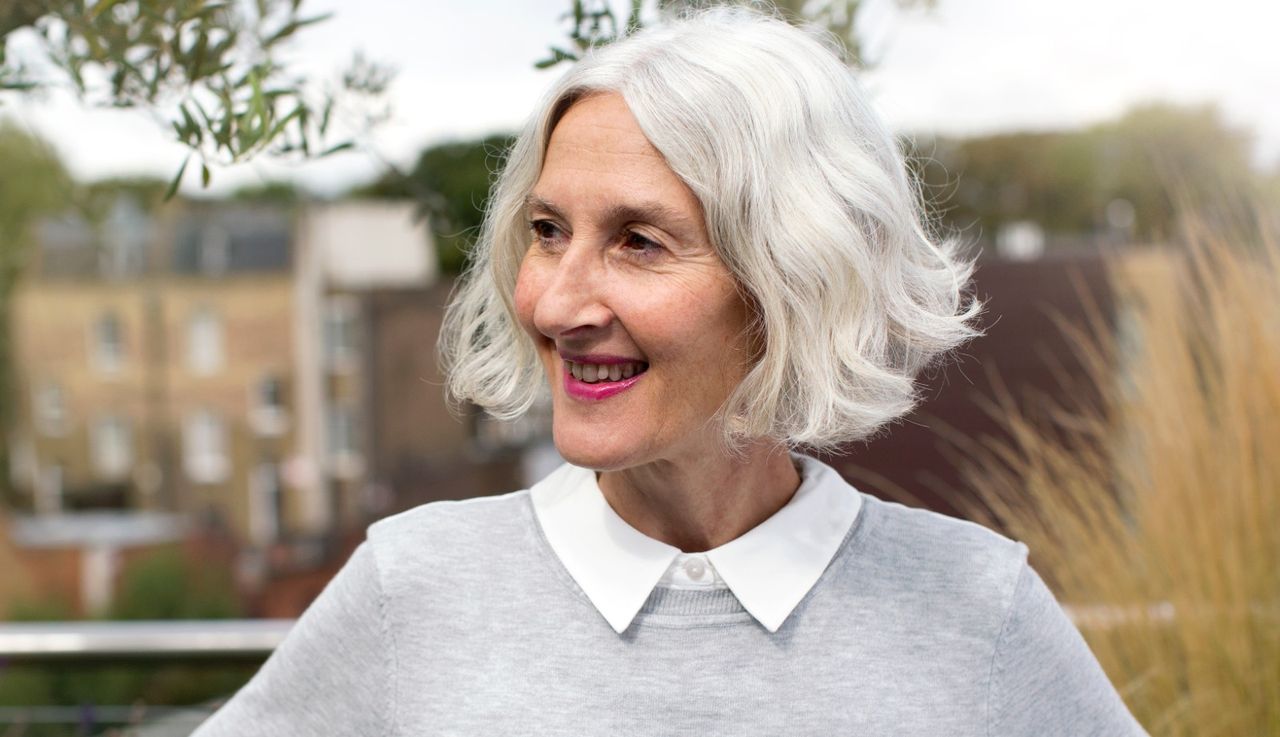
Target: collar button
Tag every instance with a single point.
(695, 568)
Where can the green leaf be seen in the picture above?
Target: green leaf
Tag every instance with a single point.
(557, 55)
(177, 179)
(292, 27)
(325, 115)
(193, 129)
(198, 55)
(204, 175)
(278, 128)
(344, 146)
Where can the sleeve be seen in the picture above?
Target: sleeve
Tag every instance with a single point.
(331, 675)
(1044, 679)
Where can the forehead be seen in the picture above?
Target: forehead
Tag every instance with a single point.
(598, 155)
(600, 125)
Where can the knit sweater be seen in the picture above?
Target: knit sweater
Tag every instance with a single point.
(456, 618)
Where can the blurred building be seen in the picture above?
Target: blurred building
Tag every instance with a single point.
(211, 361)
(1043, 312)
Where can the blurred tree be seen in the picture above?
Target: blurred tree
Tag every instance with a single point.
(209, 68)
(1125, 178)
(165, 585)
(1164, 158)
(95, 199)
(451, 183)
(275, 192)
(989, 181)
(594, 22)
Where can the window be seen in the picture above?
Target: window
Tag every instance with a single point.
(50, 409)
(204, 342)
(340, 340)
(110, 446)
(270, 393)
(267, 414)
(204, 448)
(107, 344)
(342, 430)
(267, 512)
(344, 448)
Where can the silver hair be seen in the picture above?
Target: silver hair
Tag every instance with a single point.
(808, 202)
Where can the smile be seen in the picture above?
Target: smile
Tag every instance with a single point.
(596, 372)
(596, 381)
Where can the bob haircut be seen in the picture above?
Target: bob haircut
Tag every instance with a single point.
(807, 201)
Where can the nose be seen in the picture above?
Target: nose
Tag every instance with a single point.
(572, 300)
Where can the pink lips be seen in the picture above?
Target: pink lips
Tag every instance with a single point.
(600, 390)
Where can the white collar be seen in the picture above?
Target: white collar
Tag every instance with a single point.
(769, 568)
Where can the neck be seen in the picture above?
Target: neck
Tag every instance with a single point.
(700, 503)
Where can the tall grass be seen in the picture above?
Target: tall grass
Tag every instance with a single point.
(1155, 514)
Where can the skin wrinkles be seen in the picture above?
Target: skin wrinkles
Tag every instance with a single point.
(586, 286)
(661, 216)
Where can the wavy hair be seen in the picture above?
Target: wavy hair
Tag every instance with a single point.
(808, 202)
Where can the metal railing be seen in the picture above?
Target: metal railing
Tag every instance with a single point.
(231, 639)
(88, 644)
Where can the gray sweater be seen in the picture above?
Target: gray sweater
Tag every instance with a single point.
(456, 618)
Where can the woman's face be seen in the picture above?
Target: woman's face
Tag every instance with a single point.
(637, 320)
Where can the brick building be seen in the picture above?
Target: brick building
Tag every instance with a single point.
(208, 361)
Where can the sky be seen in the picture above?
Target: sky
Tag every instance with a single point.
(968, 67)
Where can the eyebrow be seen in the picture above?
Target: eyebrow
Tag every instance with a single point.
(650, 212)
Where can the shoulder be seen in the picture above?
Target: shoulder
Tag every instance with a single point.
(931, 558)
(926, 536)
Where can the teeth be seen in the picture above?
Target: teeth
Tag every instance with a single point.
(592, 373)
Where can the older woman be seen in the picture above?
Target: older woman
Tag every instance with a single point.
(706, 248)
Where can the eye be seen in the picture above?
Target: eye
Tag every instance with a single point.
(636, 245)
(547, 232)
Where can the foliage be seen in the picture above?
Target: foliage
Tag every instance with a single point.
(451, 182)
(34, 184)
(274, 192)
(594, 23)
(95, 200)
(1156, 514)
(166, 586)
(212, 66)
(1067, 181)
(1162, 143)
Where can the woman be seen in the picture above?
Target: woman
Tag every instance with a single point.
(706, 248)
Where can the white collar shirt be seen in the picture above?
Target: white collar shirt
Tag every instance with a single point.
(769, 568)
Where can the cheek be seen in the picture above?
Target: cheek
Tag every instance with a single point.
(526, 298)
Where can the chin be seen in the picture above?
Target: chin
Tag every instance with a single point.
(585, 450)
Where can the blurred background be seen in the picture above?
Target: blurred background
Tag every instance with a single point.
(228, 231)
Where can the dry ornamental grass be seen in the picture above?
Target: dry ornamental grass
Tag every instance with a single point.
(1156, 516)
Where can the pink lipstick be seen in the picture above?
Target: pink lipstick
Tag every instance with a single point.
(580, 389)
